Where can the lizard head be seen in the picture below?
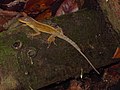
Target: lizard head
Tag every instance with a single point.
(25, 19)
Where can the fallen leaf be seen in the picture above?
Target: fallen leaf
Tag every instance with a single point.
(5, 16)
(69, 6)
(37, 6)
(5, 1)
(117, 53)
(45, 15)
(74, 85)
(13, 5)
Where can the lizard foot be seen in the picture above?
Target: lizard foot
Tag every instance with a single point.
(50, 40)
(50, 44)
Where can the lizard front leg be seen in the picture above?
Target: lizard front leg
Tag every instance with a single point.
(50, 40)
(35, 34)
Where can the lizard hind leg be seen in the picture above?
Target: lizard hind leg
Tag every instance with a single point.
(50, 40)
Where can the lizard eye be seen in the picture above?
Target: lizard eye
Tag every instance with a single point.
(27, 19)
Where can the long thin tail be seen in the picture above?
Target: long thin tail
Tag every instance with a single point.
(76, 47)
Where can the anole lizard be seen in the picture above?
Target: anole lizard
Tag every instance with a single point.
(41, 27)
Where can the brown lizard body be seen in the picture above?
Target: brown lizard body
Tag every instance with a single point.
(41, 27)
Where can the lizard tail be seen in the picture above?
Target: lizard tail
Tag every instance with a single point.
(78, 49)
